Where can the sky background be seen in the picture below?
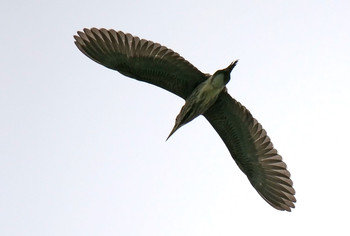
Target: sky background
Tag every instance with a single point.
(82, 148)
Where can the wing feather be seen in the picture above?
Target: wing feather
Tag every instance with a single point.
(140, 59)
(253, 151)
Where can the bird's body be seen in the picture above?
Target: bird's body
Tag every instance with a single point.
(204, 94)
(202, 97)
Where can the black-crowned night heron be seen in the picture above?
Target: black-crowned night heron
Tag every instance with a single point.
(206, 95)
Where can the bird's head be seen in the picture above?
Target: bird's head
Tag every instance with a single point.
(222, 77)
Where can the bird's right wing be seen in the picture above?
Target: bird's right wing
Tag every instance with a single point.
(253, 151)
(140, 59)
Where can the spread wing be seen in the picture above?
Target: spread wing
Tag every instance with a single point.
(243, 135)
(253, 151)
(140, 59)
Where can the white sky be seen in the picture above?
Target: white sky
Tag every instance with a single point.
(82, 148)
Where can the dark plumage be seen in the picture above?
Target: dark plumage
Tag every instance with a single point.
(244, 137)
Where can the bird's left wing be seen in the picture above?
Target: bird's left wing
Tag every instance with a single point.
(140, 59)
(253, 151)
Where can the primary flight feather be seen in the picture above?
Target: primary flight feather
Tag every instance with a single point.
(204, 94)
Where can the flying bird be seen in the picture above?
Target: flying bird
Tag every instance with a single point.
(205, 95)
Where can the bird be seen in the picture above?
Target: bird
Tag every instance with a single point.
(204, 94)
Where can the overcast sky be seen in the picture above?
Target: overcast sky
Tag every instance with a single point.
(82, 148)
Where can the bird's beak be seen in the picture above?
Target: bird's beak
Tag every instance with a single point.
(231, 66)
